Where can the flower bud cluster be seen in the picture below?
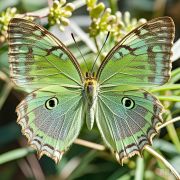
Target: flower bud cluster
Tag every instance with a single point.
(59, 14)
(4, 20)
(104, 22)
(100, 23)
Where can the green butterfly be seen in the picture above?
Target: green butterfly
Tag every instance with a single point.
(127, 116)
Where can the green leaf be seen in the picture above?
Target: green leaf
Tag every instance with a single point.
(114, 6)
(175, 75)
(3, 49)
(125, 177)
(175, 72)
(97, 10)
(173, 135)
(119, 173)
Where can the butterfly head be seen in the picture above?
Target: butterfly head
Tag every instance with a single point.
(90, 75)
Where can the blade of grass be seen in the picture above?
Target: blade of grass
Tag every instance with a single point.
(139, 172)
(175, 72)
(85, 161)
(165, 87)
(15, 154)
(174, 76)
(173, 135)
(113, 6)
(170, 98)
(125, 177)
(4, 93)
(171, 130)
(6, 89)
(119, 173)
(3, 49)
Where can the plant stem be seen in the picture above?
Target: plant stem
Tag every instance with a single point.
(96, 43)
(34, 15)
(6, 89)
(168, 122)
(113, 6)
(90, 144)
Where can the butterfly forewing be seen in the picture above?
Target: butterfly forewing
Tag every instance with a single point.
(38, 58)
(142, 58)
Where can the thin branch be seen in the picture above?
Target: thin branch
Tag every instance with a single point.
(6, 79)
(96, 43)
(6, 89)
(169, 122)
(34, 15)
(90, 144)
(166, 163)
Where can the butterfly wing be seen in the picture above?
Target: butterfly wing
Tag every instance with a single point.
(51, 119)
(127, 118)
(142, 58)
(38, 58)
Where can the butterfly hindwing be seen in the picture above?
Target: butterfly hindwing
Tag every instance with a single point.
(51, 119)
(127, 118)
(38, 58)
(142, 58)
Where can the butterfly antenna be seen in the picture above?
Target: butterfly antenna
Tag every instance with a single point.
(79, 50)
(100, 50)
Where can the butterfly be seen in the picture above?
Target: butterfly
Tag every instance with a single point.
(127, 115)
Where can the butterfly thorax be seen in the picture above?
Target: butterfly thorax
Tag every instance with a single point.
(90, 88)
(90, 94)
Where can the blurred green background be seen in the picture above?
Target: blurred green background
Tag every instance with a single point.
(81, 162)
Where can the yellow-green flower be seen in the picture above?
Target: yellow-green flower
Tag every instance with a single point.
(58, 14)
(4, 20)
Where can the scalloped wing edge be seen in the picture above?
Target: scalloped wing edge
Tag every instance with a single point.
(56, 156)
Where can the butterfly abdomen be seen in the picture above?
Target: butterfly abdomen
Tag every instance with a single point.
(90, 95)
